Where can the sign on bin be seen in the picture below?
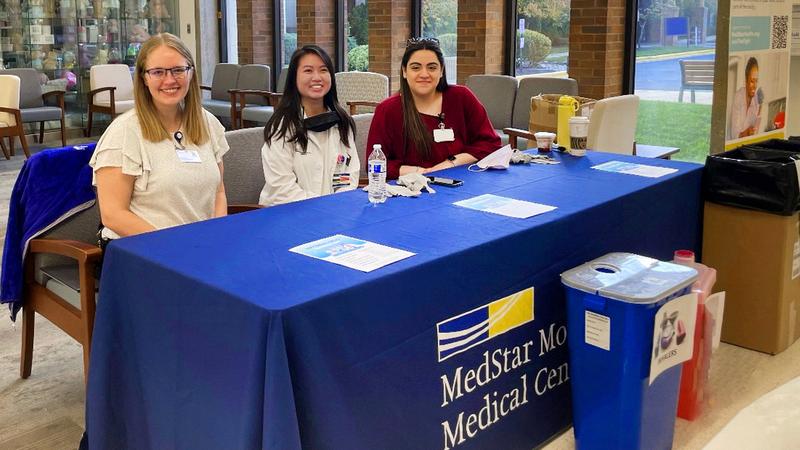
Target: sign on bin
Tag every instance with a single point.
(673, 334)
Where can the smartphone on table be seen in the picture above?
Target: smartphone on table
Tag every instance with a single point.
(442, 181)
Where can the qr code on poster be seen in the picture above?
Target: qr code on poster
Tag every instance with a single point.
(780, 28)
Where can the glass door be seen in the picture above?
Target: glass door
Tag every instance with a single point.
(674, 67)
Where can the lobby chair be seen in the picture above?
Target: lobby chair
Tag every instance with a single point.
(361, 91)
(282, 80)
(612, 126)
(531, 87)
(10, 116)
(51, 248)
(111, 91)
(33, 102)
(497, 93)
(222, 102)
(254, 96)
(363, 122)
(278, 94)
(244, 173)
(252, 92)
(60, 283)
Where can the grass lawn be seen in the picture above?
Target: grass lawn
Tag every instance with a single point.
(666, 50)
(557, 55)
(671, 124)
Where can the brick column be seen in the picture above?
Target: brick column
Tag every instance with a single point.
(316, 24)
(480, 38)
(254, 23)
(389, 27)
(597, 46)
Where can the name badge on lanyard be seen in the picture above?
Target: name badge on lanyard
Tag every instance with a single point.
(443, 134)
(188, 156)
(184, 155)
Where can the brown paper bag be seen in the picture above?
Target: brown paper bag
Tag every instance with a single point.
(544, 111)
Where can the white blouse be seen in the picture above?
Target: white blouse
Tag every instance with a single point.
(166, 191)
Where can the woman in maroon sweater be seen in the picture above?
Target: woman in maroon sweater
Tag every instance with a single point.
(429, 125)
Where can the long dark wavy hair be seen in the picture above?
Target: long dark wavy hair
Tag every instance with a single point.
(413, 128)
(287, 121)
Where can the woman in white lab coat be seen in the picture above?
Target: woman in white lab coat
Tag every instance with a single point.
(309, 147)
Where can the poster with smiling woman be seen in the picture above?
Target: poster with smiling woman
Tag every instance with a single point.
(757, 72)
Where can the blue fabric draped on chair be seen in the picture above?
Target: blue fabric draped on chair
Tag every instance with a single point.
(52, 186)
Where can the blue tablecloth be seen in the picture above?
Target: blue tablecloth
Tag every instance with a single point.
(214, 335)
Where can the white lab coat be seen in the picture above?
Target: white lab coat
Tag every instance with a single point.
(743, 116)
(291, 175)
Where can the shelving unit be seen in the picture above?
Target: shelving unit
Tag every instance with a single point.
(62, 39)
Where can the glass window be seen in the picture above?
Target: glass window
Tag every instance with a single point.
(542, 36)
(357, 35)
(439, 18)
(288, 42)
(669, 32)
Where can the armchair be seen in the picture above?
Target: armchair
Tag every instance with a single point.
(51, 248)
(244, 173)
(111, 91)
(252, 95)
(613, 125)
(497, 93)
(10, 117)
(33, 103)
(361, 91)
(222, 102)
(363, 122)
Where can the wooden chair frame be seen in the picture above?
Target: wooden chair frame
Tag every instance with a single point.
(110, 110)
(59, 95)
(12, 131)
(238, 96)
(37, 299)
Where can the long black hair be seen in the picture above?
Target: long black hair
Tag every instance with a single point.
(413, 128)
(287, 121)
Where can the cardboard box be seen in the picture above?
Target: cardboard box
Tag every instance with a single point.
(544, 111)
(757, 257)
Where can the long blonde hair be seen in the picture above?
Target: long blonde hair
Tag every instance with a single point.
(194, 120)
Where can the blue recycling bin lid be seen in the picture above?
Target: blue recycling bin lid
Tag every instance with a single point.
(630, 278)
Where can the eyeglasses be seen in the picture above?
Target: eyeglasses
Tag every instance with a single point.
(422, 41)
(178, 72)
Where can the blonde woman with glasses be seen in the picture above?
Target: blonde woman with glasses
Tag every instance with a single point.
(160, 164)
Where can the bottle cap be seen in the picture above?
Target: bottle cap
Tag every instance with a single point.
(683, 256)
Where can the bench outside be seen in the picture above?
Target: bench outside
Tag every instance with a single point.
(696, 75)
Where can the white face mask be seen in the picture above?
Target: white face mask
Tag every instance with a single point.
(498, 159)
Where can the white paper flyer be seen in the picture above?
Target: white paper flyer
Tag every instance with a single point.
(351, 252)
(640, 170)
(504, 206)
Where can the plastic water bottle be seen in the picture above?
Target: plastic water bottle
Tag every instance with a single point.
(377, 175)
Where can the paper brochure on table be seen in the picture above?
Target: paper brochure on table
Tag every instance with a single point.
(504, 206)
(634, 169)
(351, 252)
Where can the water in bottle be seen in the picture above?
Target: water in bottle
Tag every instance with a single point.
(377, 175)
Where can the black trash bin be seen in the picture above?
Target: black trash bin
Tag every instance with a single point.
(763, 176)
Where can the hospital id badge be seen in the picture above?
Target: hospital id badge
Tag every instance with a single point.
(443, 135)
(188, 156)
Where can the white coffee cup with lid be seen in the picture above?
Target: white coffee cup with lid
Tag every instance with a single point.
(579, 133)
